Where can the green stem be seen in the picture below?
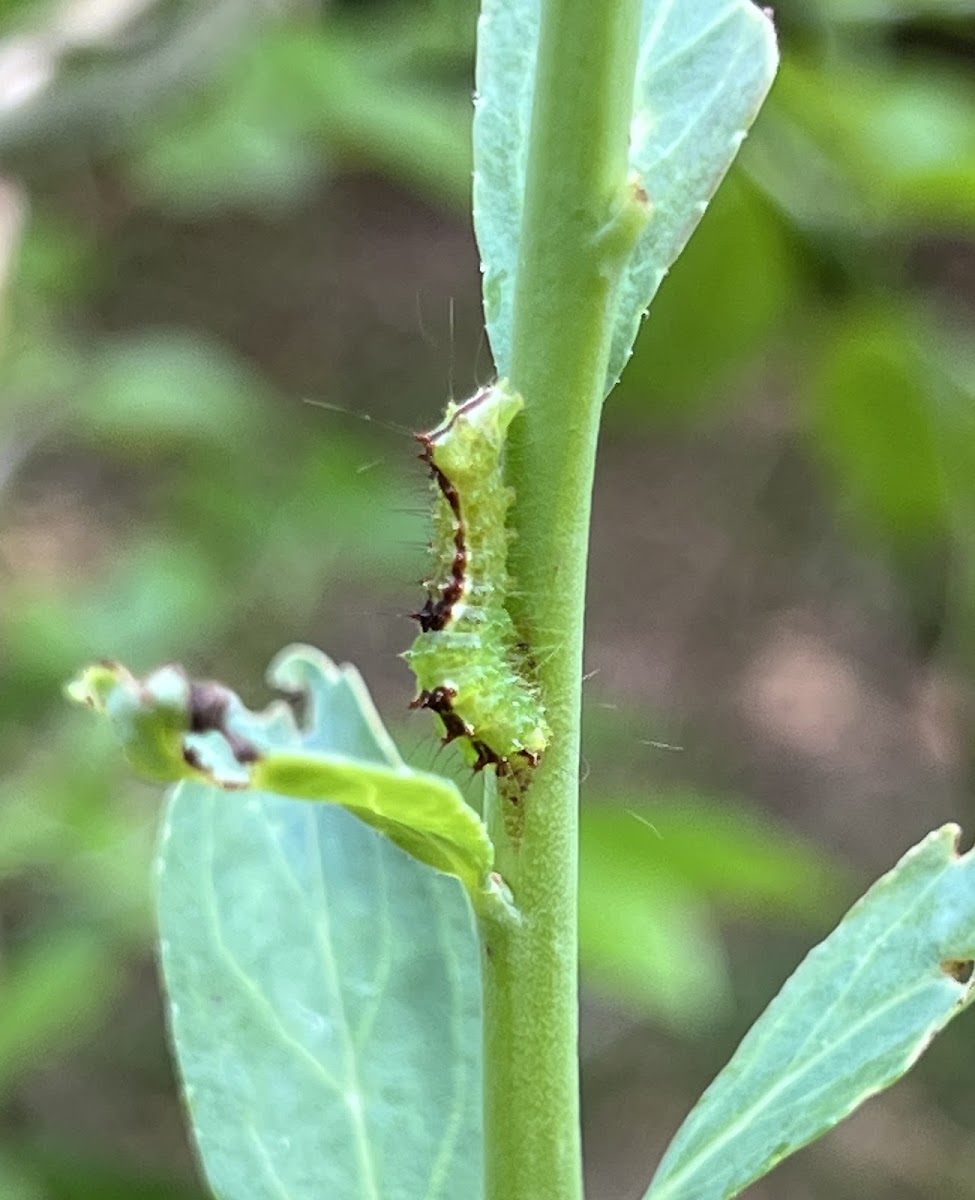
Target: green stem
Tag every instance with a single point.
(581, 220)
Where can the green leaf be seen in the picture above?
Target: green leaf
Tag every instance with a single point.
(239, 142)
(173, 729)
(704, 69)
(18, 1182)
(853, 1018)
(654, 877)
(646, 938)
(162, 390)
(885, 144)
(324, 990)
(264, 132)
(738, 280)
(54, 992)
(875, 421)
(721, 849)
(869, 12)
(69, 1170)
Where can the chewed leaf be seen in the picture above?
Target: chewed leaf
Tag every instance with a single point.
(704, 69)
(172, 729)
(323, 985)
(853, 1018)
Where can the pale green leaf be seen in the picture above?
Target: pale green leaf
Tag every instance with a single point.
(704, 69)
(324, 1004)
(172, 729)
(324, 988)
(853, 1018)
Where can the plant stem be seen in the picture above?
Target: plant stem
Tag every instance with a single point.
(581, 220)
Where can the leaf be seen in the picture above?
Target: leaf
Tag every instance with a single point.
(868, 12)
(886, 145)
(55, 991)
(262, 133)
(324, 988)
(654, 877)
(70, 1170)
(324, 1004)
(738, 279)
(239, 143)
(721, 849)
(704, 69)
(648, 939)
(161, 390)
(856, 1014)
(172, 729)
(875, 421)
(18, 1182)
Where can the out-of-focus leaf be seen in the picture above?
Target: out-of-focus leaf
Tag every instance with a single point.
(889, 144)
(871, 12)
(646, 938)
(15, 12)
(875, 422)
(704, 69)
(950, 372)
(157, 588)
(655, 875)
(262, 133)
(721, 850)
(240, 141)
(415, 135)
(109, 91)
(893, 419)
(64, 813)
(18, 1182)
(35, 365)
(736, 286)
(54, 261)
(324, 988)
(172, 729)
(75, 1172)
(51, 995)
(156, 391)
(853, 1018)
(370, 527)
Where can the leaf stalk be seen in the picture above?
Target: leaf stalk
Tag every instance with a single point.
(582, 217)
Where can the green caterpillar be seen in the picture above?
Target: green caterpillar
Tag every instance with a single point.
(471, 667)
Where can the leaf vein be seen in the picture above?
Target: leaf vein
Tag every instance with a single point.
(440, 1171)
(249, 989)
(327, 948)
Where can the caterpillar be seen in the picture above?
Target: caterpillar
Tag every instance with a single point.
(472, 669)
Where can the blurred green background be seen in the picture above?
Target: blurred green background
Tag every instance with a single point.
(213, 211)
